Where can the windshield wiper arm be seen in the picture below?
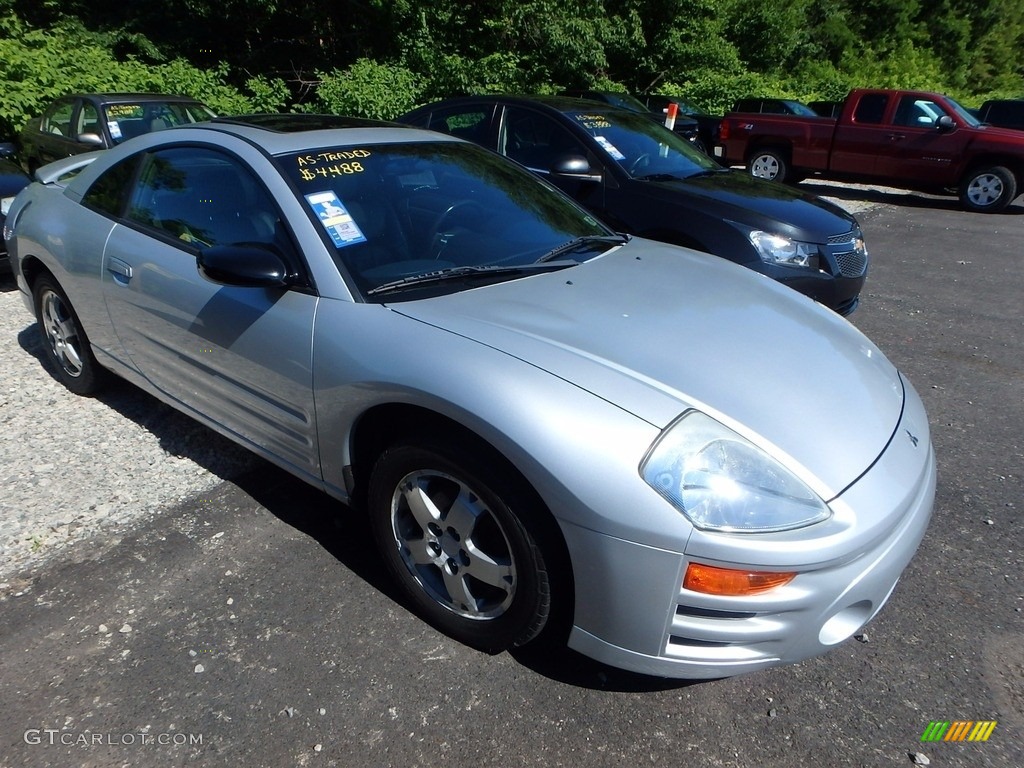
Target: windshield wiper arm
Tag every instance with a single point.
(461, 273)
(580, 242)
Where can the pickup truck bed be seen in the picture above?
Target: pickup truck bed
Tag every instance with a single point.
(909, 139)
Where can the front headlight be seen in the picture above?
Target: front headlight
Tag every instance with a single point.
(5, 204)
(776, 249)
(722, 482)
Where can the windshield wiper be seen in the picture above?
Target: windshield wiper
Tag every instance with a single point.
(581, 242)
(461, 273)
(661, 177)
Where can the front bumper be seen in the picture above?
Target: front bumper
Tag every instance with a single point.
(633, 613)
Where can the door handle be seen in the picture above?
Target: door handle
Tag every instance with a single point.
(897, 136)
(121, 270)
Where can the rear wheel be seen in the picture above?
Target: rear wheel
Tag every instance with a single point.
(456, 530)
(988, 189)
(768, 164)
(64, 341)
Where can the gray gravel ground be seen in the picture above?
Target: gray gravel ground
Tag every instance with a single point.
(74, 469)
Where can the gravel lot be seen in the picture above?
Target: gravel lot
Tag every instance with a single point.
(78, 469)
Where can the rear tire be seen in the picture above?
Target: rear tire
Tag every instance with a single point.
(988, 189)
(457, 532)
(768, 164)
(65, 343)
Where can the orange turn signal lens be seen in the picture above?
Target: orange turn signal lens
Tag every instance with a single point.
(727, 581)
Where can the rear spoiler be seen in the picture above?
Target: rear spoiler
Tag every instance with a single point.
(60, 172)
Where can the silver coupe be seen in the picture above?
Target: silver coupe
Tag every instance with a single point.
(676, 465)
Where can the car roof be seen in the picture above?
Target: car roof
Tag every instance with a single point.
(553, 103)
(279, 134)
(131, 98)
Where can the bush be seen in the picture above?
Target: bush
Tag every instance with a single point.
(367, 89)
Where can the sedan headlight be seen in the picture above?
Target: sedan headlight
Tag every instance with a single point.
(776, 249)
(720, 481)
(5, 204)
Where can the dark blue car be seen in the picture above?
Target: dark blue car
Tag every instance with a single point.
(643, 179)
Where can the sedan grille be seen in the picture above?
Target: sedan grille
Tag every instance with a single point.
(852, 263)
(849, 253)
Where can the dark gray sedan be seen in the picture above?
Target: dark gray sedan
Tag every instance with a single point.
(85, 122)
(557, 432)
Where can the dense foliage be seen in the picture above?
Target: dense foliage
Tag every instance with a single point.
(377, 58)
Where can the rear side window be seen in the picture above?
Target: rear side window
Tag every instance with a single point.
(107, 194)
(57, 119)
(871, 108)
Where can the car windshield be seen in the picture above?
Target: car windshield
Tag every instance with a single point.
(642, 147)
(963, 114)
(424, 211)
(127, 120)
(626, 101)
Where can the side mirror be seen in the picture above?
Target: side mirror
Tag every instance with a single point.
(246, 265)
(945, 123)
(92, 139)
(575, 166)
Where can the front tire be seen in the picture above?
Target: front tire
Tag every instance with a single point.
(768, 164)
(454, 528)
(65, 343)
(988, 189)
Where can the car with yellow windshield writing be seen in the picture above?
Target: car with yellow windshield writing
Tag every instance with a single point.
(86, 122)
(556, 432)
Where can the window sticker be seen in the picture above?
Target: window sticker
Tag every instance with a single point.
(336, 219)
(609, 148)
(115, 129)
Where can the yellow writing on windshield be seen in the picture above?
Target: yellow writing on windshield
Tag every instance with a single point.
(593, 121)
(121, 111)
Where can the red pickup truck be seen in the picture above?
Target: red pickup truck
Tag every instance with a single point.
(908, 139)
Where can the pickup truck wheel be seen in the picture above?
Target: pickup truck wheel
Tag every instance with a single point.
(988, 189)
(768, 164)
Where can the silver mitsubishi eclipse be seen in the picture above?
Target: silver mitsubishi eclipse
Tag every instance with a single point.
(675, 465)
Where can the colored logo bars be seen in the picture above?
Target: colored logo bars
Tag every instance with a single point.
(958, 730)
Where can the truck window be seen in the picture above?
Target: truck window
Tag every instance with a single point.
(918, 112)
(871, 108)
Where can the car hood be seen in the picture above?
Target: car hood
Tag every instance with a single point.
(739, 197)
(656, 329)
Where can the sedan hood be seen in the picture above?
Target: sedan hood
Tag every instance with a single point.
(738, 196)
(656, 329)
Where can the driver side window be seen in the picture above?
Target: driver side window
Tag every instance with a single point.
(536, 141)
(204, 198)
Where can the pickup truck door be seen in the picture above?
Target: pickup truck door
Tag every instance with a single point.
(856, 140)
(917, 148)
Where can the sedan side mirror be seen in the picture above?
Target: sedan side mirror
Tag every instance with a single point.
(246, 265)
(945, 123)
(575, 166)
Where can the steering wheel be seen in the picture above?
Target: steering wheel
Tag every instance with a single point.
(642, 161)
(437, 229)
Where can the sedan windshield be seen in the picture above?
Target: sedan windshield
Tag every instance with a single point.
(425, 214)
(127, 120)
(642, 147)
